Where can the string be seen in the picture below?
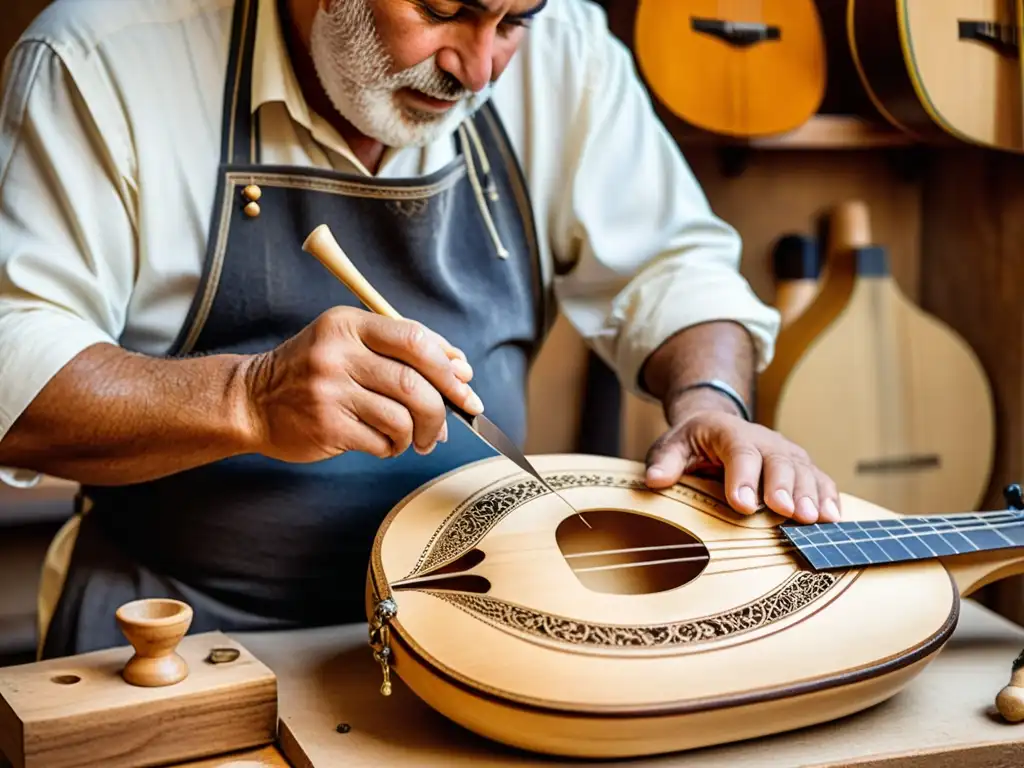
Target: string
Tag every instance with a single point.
(988, 521)
(783, 549)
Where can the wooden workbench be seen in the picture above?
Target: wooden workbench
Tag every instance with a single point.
(944, 719)
(327, 677)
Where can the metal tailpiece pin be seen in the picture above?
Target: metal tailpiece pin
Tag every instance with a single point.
(384, 611)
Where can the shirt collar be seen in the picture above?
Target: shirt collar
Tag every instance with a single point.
(274, 80)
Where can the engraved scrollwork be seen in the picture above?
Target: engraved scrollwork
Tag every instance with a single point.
(471, 521)
(796, 593)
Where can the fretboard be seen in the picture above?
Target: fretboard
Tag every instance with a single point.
(850, 544)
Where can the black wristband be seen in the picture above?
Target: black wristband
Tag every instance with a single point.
(719, 386)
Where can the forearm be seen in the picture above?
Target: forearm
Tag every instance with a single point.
(114, 417)
(716, 350)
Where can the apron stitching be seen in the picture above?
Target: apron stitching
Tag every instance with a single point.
(353, 189)
(214, 277)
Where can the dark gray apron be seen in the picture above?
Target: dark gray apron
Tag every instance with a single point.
(252, 543)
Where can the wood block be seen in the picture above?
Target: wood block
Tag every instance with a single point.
(79, 711)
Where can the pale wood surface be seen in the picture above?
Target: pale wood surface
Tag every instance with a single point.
(99, 719)
(944, 718)
(974, 91)
(869, 390)
(735, 652)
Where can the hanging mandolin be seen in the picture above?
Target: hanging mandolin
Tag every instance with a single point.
(742, 68)
(943, 70)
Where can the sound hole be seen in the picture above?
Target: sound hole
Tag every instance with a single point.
(626, 553)
(452, 577)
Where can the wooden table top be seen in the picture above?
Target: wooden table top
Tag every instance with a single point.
(944, 719)
(327, 677)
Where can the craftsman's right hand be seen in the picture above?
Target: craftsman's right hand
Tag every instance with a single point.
(353, 380)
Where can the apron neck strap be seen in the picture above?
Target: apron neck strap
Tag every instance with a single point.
(239, 144)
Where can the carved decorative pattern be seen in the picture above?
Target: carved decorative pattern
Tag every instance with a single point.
(797, 592)
(470, 522)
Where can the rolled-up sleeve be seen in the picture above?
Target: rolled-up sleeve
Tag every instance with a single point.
(651, 258)
(66, 226)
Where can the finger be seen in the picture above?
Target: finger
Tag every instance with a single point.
(418, 347)
(743, 463)
(456, 357)
(805, 494)
(387, 417)
(779, 475)
(666, 461)
(360, 436)
(409, 391)
(828, 495)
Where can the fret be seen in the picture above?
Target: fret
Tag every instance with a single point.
(858, 543)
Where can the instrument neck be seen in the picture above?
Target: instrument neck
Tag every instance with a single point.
(853, 544)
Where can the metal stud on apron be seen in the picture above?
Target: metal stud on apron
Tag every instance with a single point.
(253, 543)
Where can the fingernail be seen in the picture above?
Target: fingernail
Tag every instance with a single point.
(806, 511)
(830, 513)
(655, 473)
(748, 497)
(444, 432)
(473, 404)
(462, 369)
(784, 499)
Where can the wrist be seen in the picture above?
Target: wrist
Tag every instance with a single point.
(244, 423)
(681, 404)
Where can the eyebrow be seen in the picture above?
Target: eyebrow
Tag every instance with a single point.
(480, 5)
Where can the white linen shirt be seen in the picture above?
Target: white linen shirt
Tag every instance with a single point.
(109, 143)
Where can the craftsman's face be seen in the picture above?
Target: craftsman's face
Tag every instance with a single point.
(406, 71)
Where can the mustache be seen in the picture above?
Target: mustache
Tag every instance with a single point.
(439, 84)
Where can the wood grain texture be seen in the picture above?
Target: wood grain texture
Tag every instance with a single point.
(943, 718)
(78, 711)
(972, 90)
(763, 88)
(973, 238)
(264, 757)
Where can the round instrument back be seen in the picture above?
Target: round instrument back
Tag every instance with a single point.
(664, 621)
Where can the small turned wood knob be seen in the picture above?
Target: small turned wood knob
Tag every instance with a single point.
(252, 192)
(252, 209)
(154, 627)
(1010, 701)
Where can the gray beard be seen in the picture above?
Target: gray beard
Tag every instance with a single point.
(354, 70)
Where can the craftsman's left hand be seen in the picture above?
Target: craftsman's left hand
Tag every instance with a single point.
(750, 456)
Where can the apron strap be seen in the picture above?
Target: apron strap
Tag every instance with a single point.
(239, 143)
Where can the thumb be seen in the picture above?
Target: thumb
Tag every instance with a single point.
(666, 461)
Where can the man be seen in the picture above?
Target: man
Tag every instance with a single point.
(239, 423)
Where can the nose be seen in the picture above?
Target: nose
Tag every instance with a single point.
(472, 58)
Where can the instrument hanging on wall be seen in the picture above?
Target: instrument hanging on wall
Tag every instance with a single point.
(943, 69)
(673, 622)
(796, 265)
(742, 68)
(887, 399)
